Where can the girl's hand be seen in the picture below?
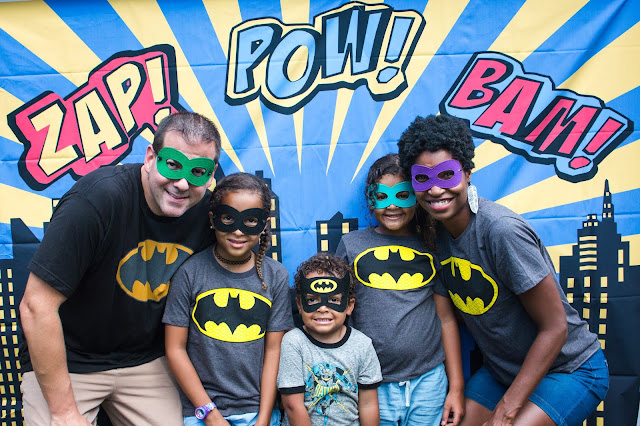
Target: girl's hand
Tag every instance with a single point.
(453, 409)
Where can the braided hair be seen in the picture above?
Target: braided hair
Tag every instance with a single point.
(246, 182)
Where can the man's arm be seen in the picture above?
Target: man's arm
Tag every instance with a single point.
(43, 330)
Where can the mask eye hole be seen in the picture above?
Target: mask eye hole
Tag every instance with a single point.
(173, 164)
(251, 222)
(335, 299)
(227, 219)
(421, 178)
(381, 196)
(403, 195)
(198, 171)
(312, 300)
(446, 175)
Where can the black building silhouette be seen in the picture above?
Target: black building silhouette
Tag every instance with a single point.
(275, 250)
(605, 289)
(329, 232)
(13, 279)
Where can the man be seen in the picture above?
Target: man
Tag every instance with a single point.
(92, 308)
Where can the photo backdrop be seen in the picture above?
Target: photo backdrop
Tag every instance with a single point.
(307, 94)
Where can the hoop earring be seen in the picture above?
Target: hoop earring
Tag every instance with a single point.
(472, 197)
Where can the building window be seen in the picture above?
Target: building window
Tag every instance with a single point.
(570, 282)
(604, 281)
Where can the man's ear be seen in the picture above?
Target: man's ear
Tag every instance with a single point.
(149, 157)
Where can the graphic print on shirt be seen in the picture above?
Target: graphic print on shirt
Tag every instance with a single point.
(394, 268)
(144, 273)
(470, 288)
(231, 314)
(323, 388)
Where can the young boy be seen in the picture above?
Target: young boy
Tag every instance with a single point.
(328, 372)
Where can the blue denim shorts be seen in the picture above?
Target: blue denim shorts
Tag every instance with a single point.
(587, 386)
(418, 401)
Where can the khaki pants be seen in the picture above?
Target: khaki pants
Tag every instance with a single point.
(142, 395)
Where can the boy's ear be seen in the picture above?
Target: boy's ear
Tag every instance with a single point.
(299, 303)
(350, 305)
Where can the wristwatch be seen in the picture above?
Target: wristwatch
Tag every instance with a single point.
(203, 411)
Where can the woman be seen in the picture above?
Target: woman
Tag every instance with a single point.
(542, 366)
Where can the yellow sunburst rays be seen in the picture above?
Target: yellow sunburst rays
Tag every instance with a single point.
(224, 15)
(296, 12)
(534, 23)
(343, 100)
(32, 24)
(147, 22)
(607, 75)
(8, 103)
(441, 15)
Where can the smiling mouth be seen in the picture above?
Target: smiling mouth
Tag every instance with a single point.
(176, 196)
(323, 320)
(439, 203)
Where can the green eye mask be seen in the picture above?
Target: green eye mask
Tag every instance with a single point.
(173, 164)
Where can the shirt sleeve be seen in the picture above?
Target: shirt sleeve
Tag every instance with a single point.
(341, 251)
(70, 244)
(370, 374)
(517, 253)
(177, 310)
(280, 318)
(291, 371)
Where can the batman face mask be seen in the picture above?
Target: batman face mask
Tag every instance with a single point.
(400, 195)
(324, 291)
(174, 165)
(250, 221)
(447, 174)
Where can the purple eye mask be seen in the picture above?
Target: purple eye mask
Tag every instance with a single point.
(424, 178)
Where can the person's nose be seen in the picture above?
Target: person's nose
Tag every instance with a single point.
(181, 184)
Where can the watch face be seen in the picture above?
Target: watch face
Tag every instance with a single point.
(200, 413)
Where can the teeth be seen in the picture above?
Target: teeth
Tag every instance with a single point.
(382, 253)
(439, 203)
(406, 281)
(242, 333)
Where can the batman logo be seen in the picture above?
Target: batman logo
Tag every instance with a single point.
(470, 289)
(323, 285)
(394, 268)
(145, 271)
(231, 314)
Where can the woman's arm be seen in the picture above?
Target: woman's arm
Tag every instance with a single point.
(544, 306)
(454, 403)
(185, 373)
(296, 411)
(268, 390)
(368, 409)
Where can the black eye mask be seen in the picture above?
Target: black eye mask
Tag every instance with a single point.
(325, 288)
(239, 219)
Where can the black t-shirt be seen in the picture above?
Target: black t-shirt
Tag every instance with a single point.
(113, 258)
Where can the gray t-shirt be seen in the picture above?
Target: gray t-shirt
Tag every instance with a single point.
(328, 374)
(227, 315)
(498, 257)
(394, 301)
